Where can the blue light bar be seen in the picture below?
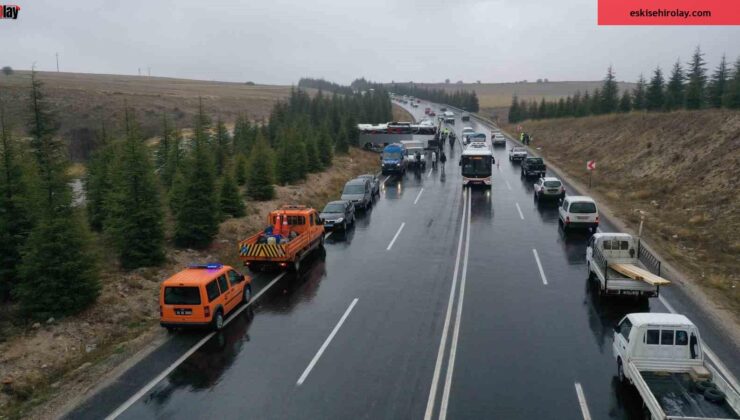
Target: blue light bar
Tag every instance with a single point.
(208, 266)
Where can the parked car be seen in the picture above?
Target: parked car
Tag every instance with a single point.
(578, 211)
(549, 187)
(517, 153)
(359, 192)
(374, 182)
(202, 296)
(498, 139)
(533, 166)
(338, 214)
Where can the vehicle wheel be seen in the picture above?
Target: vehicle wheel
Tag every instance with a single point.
(714, 395)
(247, 294)
(620, 372)
(170, 330)
(218, 321)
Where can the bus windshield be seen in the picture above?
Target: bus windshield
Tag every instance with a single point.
(476, 166)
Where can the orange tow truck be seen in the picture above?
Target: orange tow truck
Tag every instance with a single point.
(292, 233)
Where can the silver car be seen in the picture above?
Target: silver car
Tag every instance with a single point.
(338, 214)
(359, 192)
(374, 182)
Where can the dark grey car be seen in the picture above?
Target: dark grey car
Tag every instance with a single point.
(359, 192)
(374, 182)
(338, 214)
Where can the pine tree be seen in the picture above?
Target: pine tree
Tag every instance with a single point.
(675, 95)
(732, 96)
(324, 146)
(625, 103)
(58, 268)
(196, 214)
(697, 80)
(313, 161)
(222, 143)
(133, 204)
(654, 96)
(174, 160)
(260, 186)
(718, 84)
(596, 101)
(639, 100)
(230, 202)
(283, 163)
(163, 148)
(15, 220)
(542, 109)
(609, 99)
(585, 109)
(97, 182)
(177, 192)
(342, 146)
(240, 169)
(514, 110)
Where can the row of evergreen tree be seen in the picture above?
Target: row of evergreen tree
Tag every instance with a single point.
(324, 85)
(136, 198)
(685, 89)
(467, 100)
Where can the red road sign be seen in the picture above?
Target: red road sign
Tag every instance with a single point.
(591, 165)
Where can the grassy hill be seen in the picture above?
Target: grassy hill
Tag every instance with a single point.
(677, 168)
(84, 100)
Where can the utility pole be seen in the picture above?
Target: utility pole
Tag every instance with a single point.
(57, 54)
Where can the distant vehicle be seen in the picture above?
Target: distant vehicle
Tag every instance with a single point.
(476, 138)
(202, 296)
(443, 109)
(517, 153)
(293, 231)
(393, 159)
(449, 117)
(465, 116)
(476, 165)
(359, 192)
(663, 356)
(533, 166)
(418, 101)
(498, 139)
(374, 182)
(549, 187)
(427, 110)
(338, 214)
(373, 147)
(578, 211)
(432, 113)
(618, 263)
(465, 132)
(412, 147)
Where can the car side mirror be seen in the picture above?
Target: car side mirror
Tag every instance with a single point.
(241, 278)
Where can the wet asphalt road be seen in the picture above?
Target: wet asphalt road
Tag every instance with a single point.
(519, 345)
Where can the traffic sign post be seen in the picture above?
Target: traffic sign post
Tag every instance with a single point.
(590, 165)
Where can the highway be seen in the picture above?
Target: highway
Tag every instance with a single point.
(440, 303)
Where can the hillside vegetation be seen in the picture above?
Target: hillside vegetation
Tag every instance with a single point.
(679, 169)
(85, 100)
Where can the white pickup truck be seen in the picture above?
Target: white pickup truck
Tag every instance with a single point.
(663, 357)
(622, 266)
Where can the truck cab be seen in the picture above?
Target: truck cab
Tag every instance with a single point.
(661, 354)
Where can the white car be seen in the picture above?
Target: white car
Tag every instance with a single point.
(578, 211)
(465, 132)
(498, 139)
(549, 187)
(517, 153)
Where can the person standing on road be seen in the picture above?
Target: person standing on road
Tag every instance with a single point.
(434, 159)
(442, 157)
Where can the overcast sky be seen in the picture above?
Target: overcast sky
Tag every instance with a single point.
(279, 41)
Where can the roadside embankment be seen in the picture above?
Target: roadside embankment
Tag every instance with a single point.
(400, 114)
(676, 170)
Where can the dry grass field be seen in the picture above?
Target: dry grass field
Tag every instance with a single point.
(83, 101)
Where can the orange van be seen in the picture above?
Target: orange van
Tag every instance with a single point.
(202, 296)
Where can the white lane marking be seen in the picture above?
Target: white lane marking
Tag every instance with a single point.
(446, 327)
(430, 172)
(328, 235)
(507, 184)
(418, 195)
(456, 331)
(386, 179)
(712, 356)
(582, 402)
(519, 209)
(326, 344)
(148, 387)
(395, 236)
(539, 265)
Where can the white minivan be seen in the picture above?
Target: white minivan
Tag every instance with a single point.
(578, 211)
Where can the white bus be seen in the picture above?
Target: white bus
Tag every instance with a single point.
(476, 164)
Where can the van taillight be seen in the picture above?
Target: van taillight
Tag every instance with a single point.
(161, 313)
(207, 311)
